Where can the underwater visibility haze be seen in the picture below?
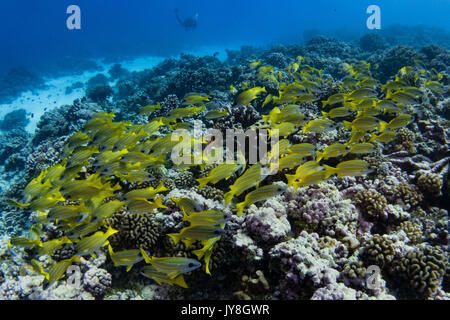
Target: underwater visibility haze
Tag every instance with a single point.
(248, 150)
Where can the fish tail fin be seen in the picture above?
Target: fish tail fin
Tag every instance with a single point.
(240, 208)
(176, 237)
(159, 204)
(161, 187)
(207, 258)
(347, 124)
(290, 179)
(324, 104)
(383, 126)
(110, 250)
(329, 171)
(319, 156)
(110, 231)
(266, 118)
(202, 182)
(228, 197)
(179, 281)
(147, 259)
(199, 253)
(188, 242)
(324, 114)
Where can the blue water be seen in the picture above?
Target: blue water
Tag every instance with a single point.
(34, 32)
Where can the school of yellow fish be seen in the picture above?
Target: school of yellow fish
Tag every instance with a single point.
(79, 201)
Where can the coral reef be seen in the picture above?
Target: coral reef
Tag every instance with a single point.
(318, 239)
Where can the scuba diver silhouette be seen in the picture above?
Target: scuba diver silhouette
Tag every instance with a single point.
(188, 23)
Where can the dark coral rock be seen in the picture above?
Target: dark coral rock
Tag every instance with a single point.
(97, 281)
(395, 59)
(12, 142)
(372, 203)
(14, 119)
(423, 269)
(117, 71)
(18, 80)
(97, 80)
(135, 231)
(378, 251)
(372, 42)
(64, 120)
(99, 93)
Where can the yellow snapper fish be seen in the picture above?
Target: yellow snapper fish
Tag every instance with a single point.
(284, 129)
(366, 123)
(259, 194)
(187, 205)
(127, 258)
(251, 177)
(106, 210)
(206, 251)
(279, 149)
(337, 112)
(171, 266)
(53, 173)
(356, 136)
(82, 230)
(301, 172)
(24, 242)
(58, 270)
(208, 217)
(196, 232)
(215, 114)
(142, 205)
(350, 168)
(153, 126)
(195, 99)
(435, 86)
(186, 112)
(402, 97)
(362, 148)
(399, 122)
(288, 162)
(222, 171)
(150, 109)
(332, 151)
(246, 97)
(310, 85)
(50, 246)
(160, 277)
(318, 125)
(385, 137)
(267, 100)
(306, 98)
(90, 244)
(35, 188)
(303, 149)
(233, 90)
(313, 178)
(360, 94)
(361, 104)
(333, 99)
(146, 193)
(253, 65)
